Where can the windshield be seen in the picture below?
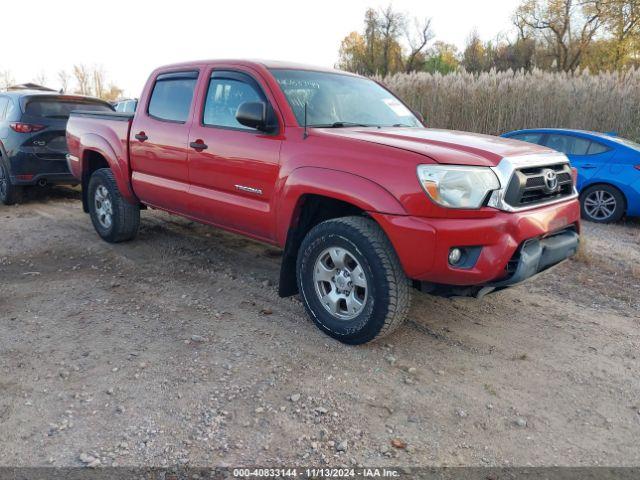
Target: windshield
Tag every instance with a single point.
(53, 108)
(337, 100)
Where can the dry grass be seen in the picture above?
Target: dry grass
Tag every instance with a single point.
(497, 102)
(583, 254)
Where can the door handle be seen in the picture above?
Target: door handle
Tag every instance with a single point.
(198, 145)
(589, 165)
(141, 136)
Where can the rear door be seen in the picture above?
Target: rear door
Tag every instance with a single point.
(587, 155)
(159, 142)
(233, 179)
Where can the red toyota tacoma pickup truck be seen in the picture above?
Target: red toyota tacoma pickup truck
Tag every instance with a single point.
(332, 167)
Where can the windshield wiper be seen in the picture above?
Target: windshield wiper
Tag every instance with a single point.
(341, 125)
(401, 125)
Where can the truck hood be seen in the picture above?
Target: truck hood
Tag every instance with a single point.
(444, 146)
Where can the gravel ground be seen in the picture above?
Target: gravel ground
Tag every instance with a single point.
(175, 349)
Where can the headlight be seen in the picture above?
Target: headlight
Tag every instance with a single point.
(457, 186)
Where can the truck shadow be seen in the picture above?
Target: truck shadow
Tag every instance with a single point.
(50, 194)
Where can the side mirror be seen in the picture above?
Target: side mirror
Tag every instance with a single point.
(420, 116)
(252, 115)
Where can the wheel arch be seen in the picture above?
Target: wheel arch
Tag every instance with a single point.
(94, 146)
(606, 184)
(312, 195)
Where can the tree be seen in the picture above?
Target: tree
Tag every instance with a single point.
(473, 57)
(418, 43)
(386, 45)
(64, 78)
(622, 20)
(41, 78)
(363, 53)
(6, 79)
(353, 52)
(391, 25)
(98, 82)
(442, 58)
(112, 94)
(566, 28)
(83, 79)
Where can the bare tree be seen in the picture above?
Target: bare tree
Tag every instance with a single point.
(6, 79)
(64, 78)
(83, 79)
(40, 78)
(567, 27)
(98, 82)
(418, 43)
(391, 25)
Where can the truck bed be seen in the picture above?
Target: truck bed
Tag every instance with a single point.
(95, 136)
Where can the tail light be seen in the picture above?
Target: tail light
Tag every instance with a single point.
(637, 167)
(25, 127)
(574, 174)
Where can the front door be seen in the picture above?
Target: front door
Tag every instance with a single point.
(233, 169)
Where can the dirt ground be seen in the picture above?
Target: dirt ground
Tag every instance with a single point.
(175, 349)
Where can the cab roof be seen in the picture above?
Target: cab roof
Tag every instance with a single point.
(268, 64)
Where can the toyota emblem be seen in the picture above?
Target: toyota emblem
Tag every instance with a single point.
(550, 179)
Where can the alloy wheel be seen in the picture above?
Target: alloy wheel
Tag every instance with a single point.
(340, 283)
(600, 205)
(103, 206)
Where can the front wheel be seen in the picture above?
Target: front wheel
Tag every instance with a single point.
(351, 280)
(602, 204)
(115, 219)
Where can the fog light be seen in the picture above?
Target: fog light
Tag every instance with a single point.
(455, 254)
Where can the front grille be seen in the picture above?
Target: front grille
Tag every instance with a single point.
(532, 186)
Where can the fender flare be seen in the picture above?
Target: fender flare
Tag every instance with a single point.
(92, 142)
(347, 187)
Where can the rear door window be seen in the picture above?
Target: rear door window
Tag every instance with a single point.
(597, 148)
(568, 144)
(172, 95)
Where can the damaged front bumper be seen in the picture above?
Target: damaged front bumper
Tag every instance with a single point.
(535, 256)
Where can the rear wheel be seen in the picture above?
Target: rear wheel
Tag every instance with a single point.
(9, 193)
(351, 280)
(115, 219)
(602, 204)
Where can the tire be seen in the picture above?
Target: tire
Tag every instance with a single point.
(367, 279)
(602, 204)
(115, 219)
(9, 193)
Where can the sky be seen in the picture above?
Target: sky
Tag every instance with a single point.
(128, 39)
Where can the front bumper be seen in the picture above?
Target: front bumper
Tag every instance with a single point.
(535, 256)
(423, 244)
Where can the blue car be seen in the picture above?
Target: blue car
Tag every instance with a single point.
(608, 169)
